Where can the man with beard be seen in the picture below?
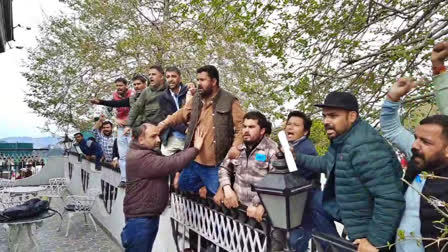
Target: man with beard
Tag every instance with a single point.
(219, 113)
(430, 155)
(102, 131)
(171, 101)
(390, 118)
(147, 106)
(254, 162)
(363, 187)
(139, 83)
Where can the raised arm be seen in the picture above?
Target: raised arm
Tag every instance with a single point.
(390, 119)
(438, 56)
(111, 103)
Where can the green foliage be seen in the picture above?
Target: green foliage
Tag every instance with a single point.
(269, 52)
(82, 53)
(319, 137)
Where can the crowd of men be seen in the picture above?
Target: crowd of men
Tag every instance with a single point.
(202, 136)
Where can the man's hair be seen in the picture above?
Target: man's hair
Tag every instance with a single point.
(256, 115)
(158, 68)
(173, 69)
(107, 122)
(268, 130)
(140, 78)
(79, 133)
(140, 130)
(122, 80)
(441, 120)
(307, 122)
(211, 71)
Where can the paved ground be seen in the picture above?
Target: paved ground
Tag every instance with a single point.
(81, 237)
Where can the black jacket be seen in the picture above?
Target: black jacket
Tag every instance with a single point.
(168, 106)
(437, 188)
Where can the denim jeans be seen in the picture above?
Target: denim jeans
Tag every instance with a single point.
(314, 218)
(138, 234)
(196, 176)
(123, 146)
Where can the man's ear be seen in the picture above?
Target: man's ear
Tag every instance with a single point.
(262, 132)
(352, 116)
(445, 151)
(140, 140)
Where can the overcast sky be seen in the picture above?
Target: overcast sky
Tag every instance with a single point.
(16, 118)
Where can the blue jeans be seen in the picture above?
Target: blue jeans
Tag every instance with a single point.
(314, 218)
(138, 234)
(123, 146)
(196, 176)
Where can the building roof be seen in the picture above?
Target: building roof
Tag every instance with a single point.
(6, 24)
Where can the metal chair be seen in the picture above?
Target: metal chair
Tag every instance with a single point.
(56, 188)
(79, 204)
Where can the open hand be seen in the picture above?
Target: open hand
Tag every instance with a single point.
(199, 138)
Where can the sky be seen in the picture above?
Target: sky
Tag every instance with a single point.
(17, 118)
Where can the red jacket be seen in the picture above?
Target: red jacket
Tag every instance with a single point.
(147, 183)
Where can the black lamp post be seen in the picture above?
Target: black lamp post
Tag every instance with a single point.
(283, 195)
(68, 143)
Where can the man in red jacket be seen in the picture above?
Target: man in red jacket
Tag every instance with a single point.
(147, 186)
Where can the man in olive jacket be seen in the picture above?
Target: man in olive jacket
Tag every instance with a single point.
(147, 106)
(363, 188)
(147, 185)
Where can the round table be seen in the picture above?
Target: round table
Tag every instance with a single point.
(20, 234)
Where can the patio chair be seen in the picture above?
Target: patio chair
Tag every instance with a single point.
(55, 189)
(80, 204)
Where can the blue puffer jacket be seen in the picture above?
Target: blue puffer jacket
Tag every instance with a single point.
(363, 188)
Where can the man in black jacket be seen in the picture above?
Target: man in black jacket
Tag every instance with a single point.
(429, 156)
(171, 101)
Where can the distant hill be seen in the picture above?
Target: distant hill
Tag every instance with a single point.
(39, 142)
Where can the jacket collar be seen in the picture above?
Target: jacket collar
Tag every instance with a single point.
(137, 146)
(160, 88)
(183, 90)
(262, 145)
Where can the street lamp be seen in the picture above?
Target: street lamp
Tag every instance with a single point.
(283, 195)
(67, 144)
(79, 151)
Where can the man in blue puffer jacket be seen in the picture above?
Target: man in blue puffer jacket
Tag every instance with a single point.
(363, 188)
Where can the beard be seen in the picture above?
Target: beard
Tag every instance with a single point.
(205, 92)
(420, 163)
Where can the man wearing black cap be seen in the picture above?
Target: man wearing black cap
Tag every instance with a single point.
(363, 188)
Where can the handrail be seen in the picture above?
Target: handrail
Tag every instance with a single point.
(82, 157)
(229, 229)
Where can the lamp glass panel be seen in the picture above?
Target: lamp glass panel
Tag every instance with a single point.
(78, 149)
(297, 204)
(276, 208)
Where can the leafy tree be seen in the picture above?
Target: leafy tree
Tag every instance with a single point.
(81, 53)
